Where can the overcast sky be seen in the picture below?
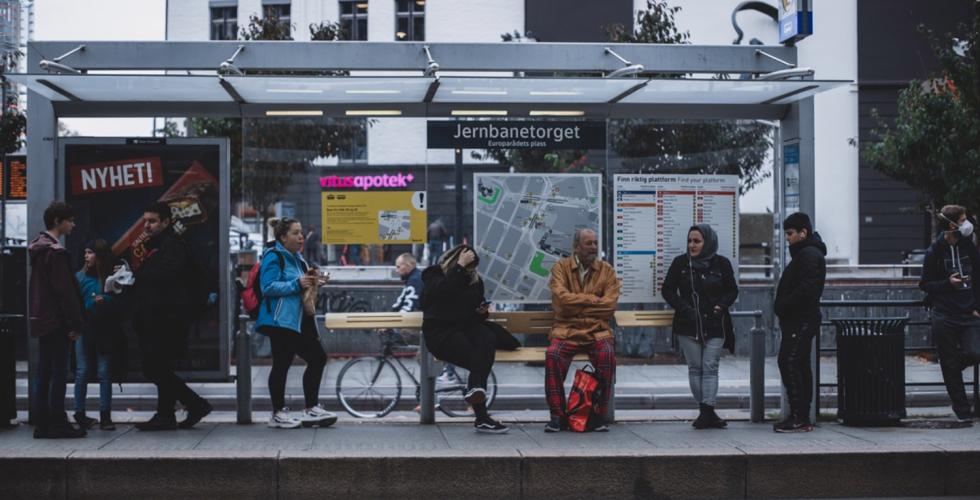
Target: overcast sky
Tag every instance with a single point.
(101, 20)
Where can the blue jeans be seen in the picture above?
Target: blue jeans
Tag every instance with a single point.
(82, 374)
(702, 367)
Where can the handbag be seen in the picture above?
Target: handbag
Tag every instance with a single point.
(503, 339)
(581, 408)
(309, 301)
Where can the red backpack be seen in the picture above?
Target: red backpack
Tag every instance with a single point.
(252, 293)
(586, 391)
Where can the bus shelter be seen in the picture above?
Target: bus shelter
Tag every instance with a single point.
(516, 82)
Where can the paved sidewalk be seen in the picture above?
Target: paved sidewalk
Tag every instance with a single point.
(359, 459)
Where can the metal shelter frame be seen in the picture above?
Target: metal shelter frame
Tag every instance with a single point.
(55, 68)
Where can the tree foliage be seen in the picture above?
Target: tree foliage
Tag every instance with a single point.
(934, 143)
(276, 149)
(13, 123)
(739, 147)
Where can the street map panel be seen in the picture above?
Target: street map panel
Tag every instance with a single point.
(524, 223)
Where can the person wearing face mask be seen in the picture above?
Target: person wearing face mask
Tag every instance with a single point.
(584, 294)
(947, 279)
(700, 286)
(454, 312)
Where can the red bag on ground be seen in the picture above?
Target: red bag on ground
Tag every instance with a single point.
(586, 390)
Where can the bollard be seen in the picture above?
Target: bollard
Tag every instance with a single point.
(427, 388)
(757, 372)
(243, 374)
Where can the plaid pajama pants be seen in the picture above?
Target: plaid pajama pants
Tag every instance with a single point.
(602, 355)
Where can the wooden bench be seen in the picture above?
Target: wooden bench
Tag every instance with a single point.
(519, 322)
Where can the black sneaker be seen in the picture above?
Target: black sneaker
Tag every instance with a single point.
(793, 424)
(963, 417)
(490, 426)
(475, 396)
(84, 422)
(602, 427)
(196, 413)
(105, 421)
(555, 425)
(158, 423)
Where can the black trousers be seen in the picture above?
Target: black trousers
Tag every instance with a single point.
(471, 346)
(161, 344)
(794, 365)
(286, 345)
(49, 391)
(954, 337)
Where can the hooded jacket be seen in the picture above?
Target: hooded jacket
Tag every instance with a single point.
(282, 294)
(55, 298)
(801, 284)
(577, 319)
(449, 302)
(694, 293)
(941, 261)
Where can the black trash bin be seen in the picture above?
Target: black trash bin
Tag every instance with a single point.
(870, 370)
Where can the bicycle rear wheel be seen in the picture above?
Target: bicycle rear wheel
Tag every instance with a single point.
(449, 397)
(369, 387)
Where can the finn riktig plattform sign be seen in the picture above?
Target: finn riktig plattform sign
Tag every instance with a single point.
(517, 134)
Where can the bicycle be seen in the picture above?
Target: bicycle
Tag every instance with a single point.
(370, 386)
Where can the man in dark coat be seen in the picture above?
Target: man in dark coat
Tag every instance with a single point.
(162, 318)
(798, 307)
(55, 318)
(947, 278)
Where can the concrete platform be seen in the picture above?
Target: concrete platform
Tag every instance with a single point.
(357, 459)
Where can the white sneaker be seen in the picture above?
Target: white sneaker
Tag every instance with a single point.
(447, 378)
(317, 416)
(281, 419)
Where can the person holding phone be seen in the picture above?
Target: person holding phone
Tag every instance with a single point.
(290, 327)
(700, 286)
(947, 273)
(453, 323)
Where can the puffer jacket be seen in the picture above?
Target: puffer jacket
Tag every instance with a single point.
(577, 319)
(685, 286)
(282, 295)
(801, 285)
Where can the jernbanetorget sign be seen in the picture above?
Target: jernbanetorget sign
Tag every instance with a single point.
(517, 134)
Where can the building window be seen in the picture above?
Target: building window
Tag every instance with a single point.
(224, 23)
(353, 19)
(280, 10)
(410, 20)
(354, 150)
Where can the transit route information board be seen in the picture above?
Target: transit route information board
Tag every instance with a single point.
(652, 214)
(524, 223)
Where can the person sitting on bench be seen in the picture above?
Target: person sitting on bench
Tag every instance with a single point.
(584, 293)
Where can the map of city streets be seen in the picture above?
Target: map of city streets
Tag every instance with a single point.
(524, 223)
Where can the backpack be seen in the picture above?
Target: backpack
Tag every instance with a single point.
(252, 294)
(581, 408)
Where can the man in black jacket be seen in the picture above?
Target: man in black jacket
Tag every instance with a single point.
(947, 273)
(162, 318)
(798, 307)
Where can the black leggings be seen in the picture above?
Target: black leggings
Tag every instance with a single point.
(286, 344)
(471, 346)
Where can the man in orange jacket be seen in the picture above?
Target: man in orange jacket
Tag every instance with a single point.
(584, 293)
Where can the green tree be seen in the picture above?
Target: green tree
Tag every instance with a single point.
(13, 123)
(934, 143)
(738, 147)
(276, 149)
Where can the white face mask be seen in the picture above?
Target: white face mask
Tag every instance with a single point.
(966, 228)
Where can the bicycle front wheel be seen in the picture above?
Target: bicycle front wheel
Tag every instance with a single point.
(450, 396)
(369, 387)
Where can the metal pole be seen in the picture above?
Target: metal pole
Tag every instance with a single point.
(243, 373)
(459, 196)
(976, 387)
(427, 390)
(757, 371)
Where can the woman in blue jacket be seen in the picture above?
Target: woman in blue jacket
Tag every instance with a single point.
(284, 276)
(102, 332)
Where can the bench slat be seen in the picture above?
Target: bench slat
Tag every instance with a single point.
(529, 354)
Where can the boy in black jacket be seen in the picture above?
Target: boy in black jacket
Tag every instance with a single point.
(947, 273)
(798, 308)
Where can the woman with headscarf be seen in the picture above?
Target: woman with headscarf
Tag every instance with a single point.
(454, 311)
(700, 286)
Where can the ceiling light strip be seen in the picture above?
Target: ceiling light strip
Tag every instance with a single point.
(373, 112)
(294, 112)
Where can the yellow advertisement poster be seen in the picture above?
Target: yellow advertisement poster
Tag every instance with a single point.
(371, 218)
